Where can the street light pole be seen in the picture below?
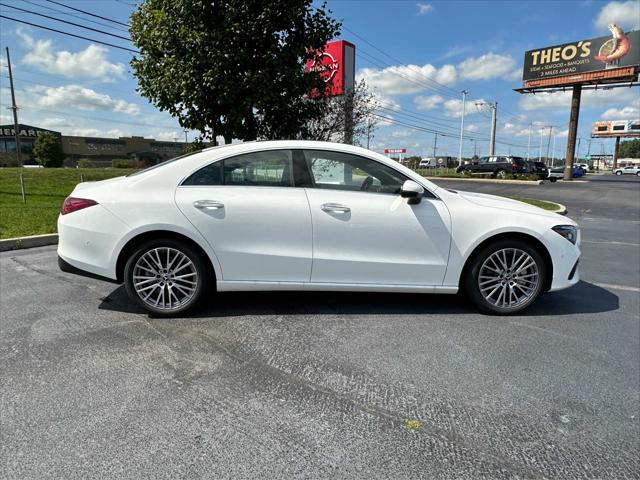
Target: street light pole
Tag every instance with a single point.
(464, 97)
(529, 141)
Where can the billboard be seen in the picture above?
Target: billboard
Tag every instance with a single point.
(337, 66)
(603, 59)
(616, 128)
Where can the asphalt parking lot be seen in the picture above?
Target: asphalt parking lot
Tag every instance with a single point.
(319, 385)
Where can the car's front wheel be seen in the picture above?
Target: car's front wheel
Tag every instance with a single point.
(618, 172)
(501, 174)
(166, 277)
(506, 277)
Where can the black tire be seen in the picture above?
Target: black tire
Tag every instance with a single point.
(201, 269)
(553, 179)
(500, 174)
(618, 173)
(471, 281)
(638, 174)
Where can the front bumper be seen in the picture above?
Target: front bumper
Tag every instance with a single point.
(565, 257)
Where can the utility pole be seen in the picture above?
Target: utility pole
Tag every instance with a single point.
(435, 143)
(615, 153)
(540, 150)
(185, 136)
(464, 97)
(368, 131)
(553, 151)
(16, 125)
(549, 142)
(529, 142)
(578, 149)
(494, 114)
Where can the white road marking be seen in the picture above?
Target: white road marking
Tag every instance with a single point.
(625, 288)
(612, 243)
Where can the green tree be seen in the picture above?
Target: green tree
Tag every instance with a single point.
(48, 150)
(629, 149)
(232, 68)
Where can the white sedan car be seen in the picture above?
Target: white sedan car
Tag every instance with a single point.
(630, 170)
(297, 215)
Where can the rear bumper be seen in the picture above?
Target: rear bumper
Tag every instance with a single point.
(67, 267)
(87, 240)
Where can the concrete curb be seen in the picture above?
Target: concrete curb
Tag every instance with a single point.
(490, 180)
(562, 210)
(28, 242)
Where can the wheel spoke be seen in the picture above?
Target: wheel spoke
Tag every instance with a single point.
(165, 278)
(508, 278)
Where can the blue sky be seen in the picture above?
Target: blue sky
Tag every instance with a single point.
(403, 49)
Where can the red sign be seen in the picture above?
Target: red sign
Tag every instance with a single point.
(395, 150)
(337, 66)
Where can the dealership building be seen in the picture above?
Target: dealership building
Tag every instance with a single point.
(99, 150)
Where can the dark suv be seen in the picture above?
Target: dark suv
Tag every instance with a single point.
(497, 166)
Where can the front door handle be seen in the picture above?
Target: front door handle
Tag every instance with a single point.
(208, 204)
(335, 207)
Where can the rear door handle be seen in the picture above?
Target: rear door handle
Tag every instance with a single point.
(208, 204)
(335, 207)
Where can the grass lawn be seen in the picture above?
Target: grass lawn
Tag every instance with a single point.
(46, 189)
(538, 203)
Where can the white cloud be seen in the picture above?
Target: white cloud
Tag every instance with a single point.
(402, 133)
(453, 108)
(424, 8)
(590, 98)
(630, 112)
(172, 135)
(91, 62)
(83, 98)
(624, 14)
(488, 66)
(406, 79)
(96, 132)
(427, 102)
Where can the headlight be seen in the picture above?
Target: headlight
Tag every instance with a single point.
(567, 231)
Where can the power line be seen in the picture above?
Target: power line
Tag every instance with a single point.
(87, 13)
(69, 34)
(66, 21)
(51, 9)
(444, 87)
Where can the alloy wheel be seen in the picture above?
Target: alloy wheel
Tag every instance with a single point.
(165, 278)
(508, 278)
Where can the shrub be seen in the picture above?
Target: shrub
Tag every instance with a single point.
(48, 150)
(85, 163)
(123, 163)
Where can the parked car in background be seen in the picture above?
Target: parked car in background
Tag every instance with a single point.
(538, 168)
(309, 216)
(585, 167)
(437, 162)
(497, 166)
(630, 170)
(558, 173)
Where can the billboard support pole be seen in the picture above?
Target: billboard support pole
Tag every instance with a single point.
(573, 131)
(615, 153)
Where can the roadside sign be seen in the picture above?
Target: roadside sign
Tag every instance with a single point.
(587, 157)
(395, 150)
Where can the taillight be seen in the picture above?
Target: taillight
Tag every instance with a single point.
(72, 204)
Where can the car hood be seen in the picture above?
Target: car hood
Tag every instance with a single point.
(502, 203)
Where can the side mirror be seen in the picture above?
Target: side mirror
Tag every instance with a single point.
(412, 191)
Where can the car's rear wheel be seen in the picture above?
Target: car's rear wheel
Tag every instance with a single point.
(553, 179)
(506, 277)
(166, 277)
(638, 174)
